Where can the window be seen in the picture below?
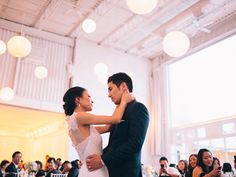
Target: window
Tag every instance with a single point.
(228, 128)
(204, 144)
(231, 142)
(201, 132)
(202, 101)
(217, 143)
(180, 136)
(202, 86)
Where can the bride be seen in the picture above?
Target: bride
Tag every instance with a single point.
(86, 138)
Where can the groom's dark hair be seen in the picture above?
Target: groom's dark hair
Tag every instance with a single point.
(119, 78)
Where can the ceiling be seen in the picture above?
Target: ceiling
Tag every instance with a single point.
(117, 26)
(22, 122)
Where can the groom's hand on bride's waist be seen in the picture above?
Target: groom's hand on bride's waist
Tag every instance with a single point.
(94, 162)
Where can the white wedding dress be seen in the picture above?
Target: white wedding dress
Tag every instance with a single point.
(86, 146)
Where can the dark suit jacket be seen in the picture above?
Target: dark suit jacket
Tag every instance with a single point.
(11, 170)
(122, 156)
(73, 172)
(39, 173)
(1, 175)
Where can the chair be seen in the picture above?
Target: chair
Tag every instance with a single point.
(12, 174)
(58, 175)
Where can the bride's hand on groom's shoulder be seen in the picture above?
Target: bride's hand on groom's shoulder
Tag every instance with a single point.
(94, 162)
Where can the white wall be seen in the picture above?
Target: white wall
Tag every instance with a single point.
(32, 149)
(87, 55)
(49, 50)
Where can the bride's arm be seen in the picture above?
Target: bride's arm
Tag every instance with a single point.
(85, 118)
(103, 129)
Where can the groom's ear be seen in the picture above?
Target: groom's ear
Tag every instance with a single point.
(123, 86)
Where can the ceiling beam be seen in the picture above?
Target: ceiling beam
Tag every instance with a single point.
(49, 11)
(194, 9)
(134, 26)
(42, 10)
(219, 31)
(12, 26)
(130, 18)
(3, 6)
(86, 15)
(100, 9)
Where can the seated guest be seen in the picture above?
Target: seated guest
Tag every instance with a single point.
(66, 166)
(227, 170)
(216, 163)
(59, 165)
(20, 166)
(12, 168)
(3, 167)
(74, 171)
(165, 170)
(192, 164)
(45, 164)
(40, 172)
(51, 167)
(78, 164)
(204, 166)
(182, 167)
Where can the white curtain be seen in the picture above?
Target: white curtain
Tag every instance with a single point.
(158, 112)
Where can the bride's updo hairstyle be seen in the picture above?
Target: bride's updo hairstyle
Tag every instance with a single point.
(69, 99)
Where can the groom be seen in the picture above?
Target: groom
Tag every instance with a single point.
(122, 156)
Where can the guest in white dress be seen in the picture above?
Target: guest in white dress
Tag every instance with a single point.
(86, 138)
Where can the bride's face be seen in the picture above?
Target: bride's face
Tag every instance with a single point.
(86, 102)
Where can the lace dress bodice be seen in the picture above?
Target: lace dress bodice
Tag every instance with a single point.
(86, 146)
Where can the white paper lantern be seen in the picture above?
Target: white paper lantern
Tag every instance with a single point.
(19, 46)
(176, 43)
(102, 73)
(88, 25)
(100, 68)
(2, 47)
(141, 7)
(41, 72)
(6, 93)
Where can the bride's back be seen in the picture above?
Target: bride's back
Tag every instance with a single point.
(84, 145)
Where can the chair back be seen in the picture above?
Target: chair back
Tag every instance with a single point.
(12, 174)
(58, 175)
